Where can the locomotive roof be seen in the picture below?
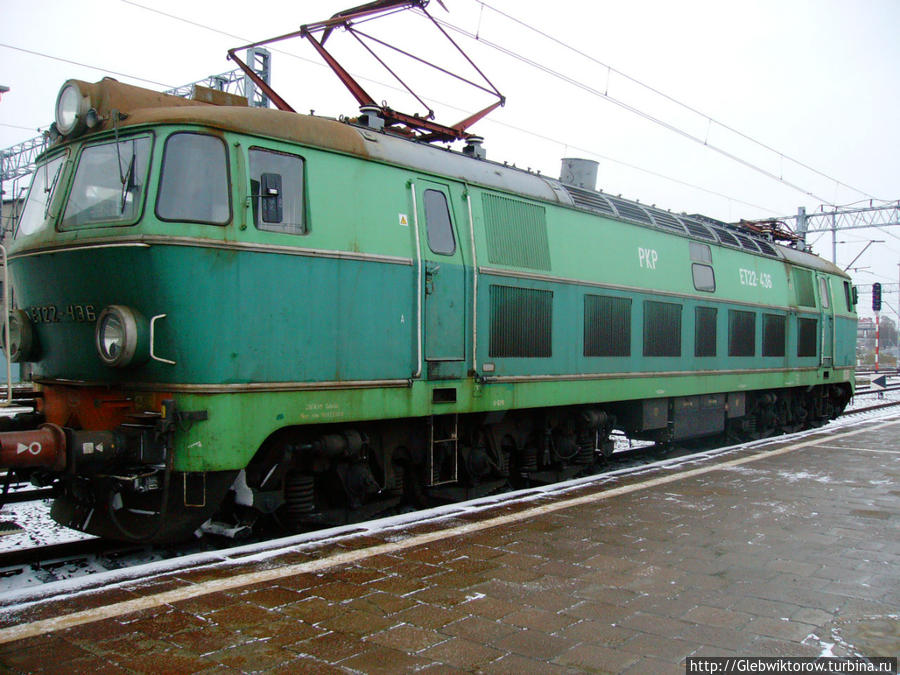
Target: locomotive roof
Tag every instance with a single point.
(154, 108)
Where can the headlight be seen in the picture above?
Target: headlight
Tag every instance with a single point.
(122, 336)
(22, 340)
(72, 107)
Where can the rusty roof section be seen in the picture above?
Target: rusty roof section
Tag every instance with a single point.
(298, 128)
(140, 106)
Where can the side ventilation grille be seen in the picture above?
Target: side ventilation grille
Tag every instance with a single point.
(516, 233)
(521, 322)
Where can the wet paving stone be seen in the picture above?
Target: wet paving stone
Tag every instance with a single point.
(782, 556)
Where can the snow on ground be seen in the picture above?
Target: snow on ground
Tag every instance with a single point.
(866, 399)
(37, 527)
(25, 589)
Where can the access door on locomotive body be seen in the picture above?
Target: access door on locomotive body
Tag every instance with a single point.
(826, 309)
(442, 243)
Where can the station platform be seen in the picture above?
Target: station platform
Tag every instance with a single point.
(788, 547)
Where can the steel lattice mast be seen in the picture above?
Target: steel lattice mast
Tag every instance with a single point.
(847, 218)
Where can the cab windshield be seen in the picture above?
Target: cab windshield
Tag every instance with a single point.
(109, 183)
(37, 205)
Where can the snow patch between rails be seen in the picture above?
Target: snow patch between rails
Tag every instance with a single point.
(391, 528)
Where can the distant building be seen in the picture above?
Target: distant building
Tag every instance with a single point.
(865, 333)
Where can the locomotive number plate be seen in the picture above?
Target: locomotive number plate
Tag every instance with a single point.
(54, 314)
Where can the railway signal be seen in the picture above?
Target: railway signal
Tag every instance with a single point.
(876, 297)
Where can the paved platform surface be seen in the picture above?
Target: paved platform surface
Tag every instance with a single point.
(790, 549)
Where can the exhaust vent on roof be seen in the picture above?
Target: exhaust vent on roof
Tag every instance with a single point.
(579, 172)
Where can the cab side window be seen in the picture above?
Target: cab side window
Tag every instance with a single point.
(824, 293)
(194, 183)
(276, 191)
(437, 220)
(701, 267)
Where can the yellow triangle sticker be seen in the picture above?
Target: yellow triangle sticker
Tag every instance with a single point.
(404, 220)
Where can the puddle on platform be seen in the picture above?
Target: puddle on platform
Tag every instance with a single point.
(871, 635)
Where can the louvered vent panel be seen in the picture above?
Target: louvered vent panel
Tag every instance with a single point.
(521, 322)
(705, 338)
(588, 199)
(773, 335)
(630, 210)
(747, 243)
(803, 287)
(516, 233)
(807, 337)
(766, 248)
(726, 237)
(741, 333)
(698, 229)
(607, 326)
(662, 328)
(666, 220)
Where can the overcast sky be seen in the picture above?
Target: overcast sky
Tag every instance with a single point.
(816, 80)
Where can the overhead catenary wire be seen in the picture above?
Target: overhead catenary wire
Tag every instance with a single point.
(83, 65)
(534, 134)
(649, 172)
(632, 109)
(710, 120)
(18, 126)
(571, 81)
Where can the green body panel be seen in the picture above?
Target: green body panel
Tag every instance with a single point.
(239, 423)
(269, 330)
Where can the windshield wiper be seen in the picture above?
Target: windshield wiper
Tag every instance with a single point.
(51, 187)
(128, 182)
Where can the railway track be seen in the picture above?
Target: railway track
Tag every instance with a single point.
(55, 561)
(867, 391)
(52, 562)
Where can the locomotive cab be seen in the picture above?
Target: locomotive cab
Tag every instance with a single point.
(92, 296)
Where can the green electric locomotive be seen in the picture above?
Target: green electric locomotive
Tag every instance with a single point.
(235, 312)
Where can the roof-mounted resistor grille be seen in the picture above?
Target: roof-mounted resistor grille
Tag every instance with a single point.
(726, 237)
(698, 229)
(747, 242)
(588, 199)
(667, 220)
(631, 210)
(695, 225)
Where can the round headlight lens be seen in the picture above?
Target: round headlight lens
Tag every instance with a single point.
(121, 336)
(112, 338)
(22, 343)
(71, 109)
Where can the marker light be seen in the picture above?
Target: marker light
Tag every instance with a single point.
(121, 337)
